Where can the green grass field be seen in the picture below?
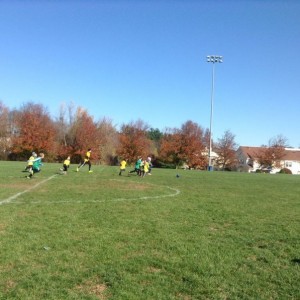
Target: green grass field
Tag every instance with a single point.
(202, 235)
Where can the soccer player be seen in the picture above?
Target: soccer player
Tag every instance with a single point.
(66, 165)
(122, 166)
(86, 161)
(141, 171)
(137, 166)
(150, 165)
(30, 161)
(145, 171)
(36, 166)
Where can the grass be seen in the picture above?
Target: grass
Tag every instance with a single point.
(202, 235)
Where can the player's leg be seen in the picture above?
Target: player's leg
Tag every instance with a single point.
(80, 165)
(90, 166)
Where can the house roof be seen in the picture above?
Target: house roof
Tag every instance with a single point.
(290, 153)
(250, 151)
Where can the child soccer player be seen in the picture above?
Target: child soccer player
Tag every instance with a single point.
(66, 165)
(137, 166)
(30, 161)
(36, 166)
(86, 161)
(122, 166)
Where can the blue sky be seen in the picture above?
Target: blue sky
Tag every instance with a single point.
(130, 60)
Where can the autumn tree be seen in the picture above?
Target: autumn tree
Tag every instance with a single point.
(192, 145)
(271, 155)
(64, 123)
(133, 141)
(184, 145)
(83, 135)
(170, 149)
(226, 150)
(206, 139)
(4, 131)
(108, 136)
(35, 131)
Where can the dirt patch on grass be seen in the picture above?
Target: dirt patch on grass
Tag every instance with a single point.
(16, 186)
(2, 227)
(153, 270)
(10, 285)
(94, 287)
(183, 297)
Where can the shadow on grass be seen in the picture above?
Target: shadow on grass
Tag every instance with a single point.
(296, 261)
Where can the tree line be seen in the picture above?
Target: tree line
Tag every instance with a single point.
(30, 128)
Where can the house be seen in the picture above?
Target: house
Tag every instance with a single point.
(247, 159)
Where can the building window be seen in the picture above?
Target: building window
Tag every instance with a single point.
(288, 164)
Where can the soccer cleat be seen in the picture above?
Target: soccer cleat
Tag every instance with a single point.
(90, 171)
(77, 169)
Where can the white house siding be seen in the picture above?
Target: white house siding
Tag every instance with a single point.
(294, 166)
(246, 155)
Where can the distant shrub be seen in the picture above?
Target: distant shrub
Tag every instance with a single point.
(285, 171)
(160, 164)
(258, 171)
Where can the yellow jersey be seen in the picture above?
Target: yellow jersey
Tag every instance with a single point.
(123, 164)
(67, 162)
(87, 156)
(30, 161)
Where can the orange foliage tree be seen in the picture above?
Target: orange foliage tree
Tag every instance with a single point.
(169, 150)
(83, 135)
(184, 145)
(271, 155)
(226, 149)
(35, 131)
(134, 141)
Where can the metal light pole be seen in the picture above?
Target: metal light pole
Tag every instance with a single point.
(212, 59)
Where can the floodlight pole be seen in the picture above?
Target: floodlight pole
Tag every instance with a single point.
(212, 59)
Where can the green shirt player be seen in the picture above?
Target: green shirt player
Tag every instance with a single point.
(137, 166)
(36, 165)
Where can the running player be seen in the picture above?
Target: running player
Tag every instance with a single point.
(122, 166)
(86, 161)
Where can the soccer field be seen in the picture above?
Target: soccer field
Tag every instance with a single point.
(198, 235)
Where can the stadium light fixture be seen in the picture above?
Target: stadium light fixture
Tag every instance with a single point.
(212, 59)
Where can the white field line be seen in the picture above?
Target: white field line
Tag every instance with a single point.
(10, 199)
(174, 193)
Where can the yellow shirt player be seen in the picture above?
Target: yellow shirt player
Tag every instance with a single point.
(122, 166)
(86, 161)
(66, 165)
(30, 161)
(146, 168)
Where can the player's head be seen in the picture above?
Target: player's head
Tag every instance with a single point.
(42, 155)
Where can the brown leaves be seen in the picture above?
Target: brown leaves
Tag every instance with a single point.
(36, 130)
